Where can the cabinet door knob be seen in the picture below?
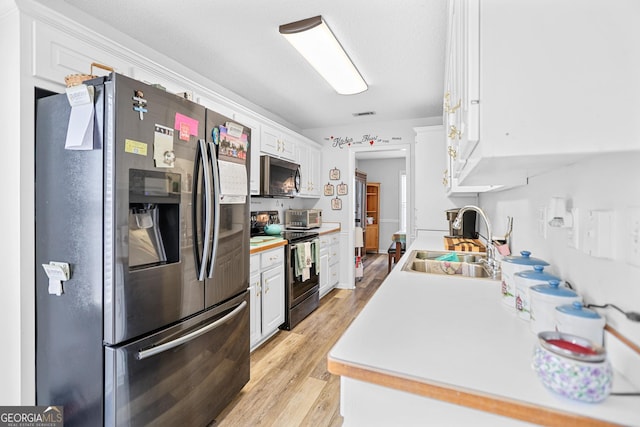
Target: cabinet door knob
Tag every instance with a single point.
(454, 132)
(447, 104)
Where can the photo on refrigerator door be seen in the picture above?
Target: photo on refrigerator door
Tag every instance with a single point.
(233, 143)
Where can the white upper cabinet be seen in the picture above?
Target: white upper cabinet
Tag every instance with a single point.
(535, 85)
(310, 159)
(277, 143)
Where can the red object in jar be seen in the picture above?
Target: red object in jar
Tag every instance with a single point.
(573, 347)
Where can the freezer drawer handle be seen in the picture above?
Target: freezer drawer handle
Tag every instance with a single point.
(143, 354)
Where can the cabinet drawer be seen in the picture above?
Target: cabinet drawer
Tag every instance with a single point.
(325, 241)
(334, 254)
(335, 238)
(267, 259)
(333, 275)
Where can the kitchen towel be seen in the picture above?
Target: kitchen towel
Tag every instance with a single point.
(306, 271)
(299, 259)
(303, 260)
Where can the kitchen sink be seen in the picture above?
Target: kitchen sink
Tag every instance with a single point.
(469, 264)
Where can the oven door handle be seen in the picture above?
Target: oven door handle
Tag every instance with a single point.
(152, 351)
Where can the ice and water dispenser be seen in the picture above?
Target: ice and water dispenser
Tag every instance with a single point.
(154, 218)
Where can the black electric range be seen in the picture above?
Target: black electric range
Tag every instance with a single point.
(302, 293)
(299, 236)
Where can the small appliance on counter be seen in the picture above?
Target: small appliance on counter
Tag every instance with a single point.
(468, 229)
(572, 366)
(303, 219)
(261, 219)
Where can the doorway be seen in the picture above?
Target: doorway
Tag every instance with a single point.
(387, 167)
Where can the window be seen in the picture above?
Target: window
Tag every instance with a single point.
(403, 200)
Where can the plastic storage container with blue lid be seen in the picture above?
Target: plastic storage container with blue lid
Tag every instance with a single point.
(553, 289)
(511, 265)
(578, 320)
(544, 300)
(578, 309)
(524, 259)
(524, 280)
(537, 273)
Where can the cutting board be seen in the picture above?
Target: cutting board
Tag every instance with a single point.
(462, 244)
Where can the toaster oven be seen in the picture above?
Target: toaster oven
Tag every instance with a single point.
(303, 219)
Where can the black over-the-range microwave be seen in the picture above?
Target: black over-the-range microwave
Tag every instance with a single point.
(278, 178)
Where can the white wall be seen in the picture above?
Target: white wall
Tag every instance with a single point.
(391, 134)
(431, 200)
(387, 173)
(604, 182)
(12, 317)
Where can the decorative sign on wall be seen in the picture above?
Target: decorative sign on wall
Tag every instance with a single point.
(347, 141)
(328, 189)
(342, 189)
(336, 204)
(334, 174)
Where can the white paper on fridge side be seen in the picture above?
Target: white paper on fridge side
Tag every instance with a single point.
(80, 129)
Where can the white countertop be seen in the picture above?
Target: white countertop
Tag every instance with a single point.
(456, 333)
(277, 241)
(329, 227)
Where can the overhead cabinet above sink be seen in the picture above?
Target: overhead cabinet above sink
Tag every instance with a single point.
(534, 85)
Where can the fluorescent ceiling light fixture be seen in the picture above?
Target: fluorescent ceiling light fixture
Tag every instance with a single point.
(315, 41)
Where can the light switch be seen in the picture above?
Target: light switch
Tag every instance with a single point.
(599, 234)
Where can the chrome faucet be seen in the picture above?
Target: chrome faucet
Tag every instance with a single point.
(491, 264)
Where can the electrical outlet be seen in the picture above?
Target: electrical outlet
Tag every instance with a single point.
(599, 232)
(542, 222)
(633, 236)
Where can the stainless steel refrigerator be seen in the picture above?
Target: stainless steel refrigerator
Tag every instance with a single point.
(152, 327)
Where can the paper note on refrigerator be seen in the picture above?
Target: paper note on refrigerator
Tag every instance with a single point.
(163, 153)
(233, 182)
(186, 125)
(80, 128)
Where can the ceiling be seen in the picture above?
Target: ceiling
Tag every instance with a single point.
(397, 47)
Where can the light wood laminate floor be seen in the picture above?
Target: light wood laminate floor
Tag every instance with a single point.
(290, 384)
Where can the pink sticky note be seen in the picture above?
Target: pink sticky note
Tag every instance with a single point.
(186, 125)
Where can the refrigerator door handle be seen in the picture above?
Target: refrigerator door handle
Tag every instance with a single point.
(216, 206)
(152, 351)
(202, 147)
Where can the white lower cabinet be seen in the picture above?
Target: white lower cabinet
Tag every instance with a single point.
(324, 270)
(266, 286)
(329, 262)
